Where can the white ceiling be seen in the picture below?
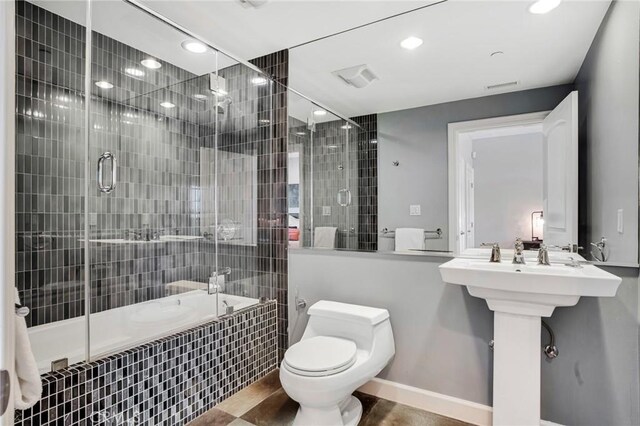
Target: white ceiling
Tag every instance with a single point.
(452, 64)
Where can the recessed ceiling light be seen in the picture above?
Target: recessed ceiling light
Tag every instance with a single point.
(134, 72)
(301, 133)
(497, 53)
(151, 63)
(543, 6)
(411, 43)
(319, 112)
(104, 84)
(200, 97)
(259, 81)
(166, 104)
(194, 46)
(332, 146)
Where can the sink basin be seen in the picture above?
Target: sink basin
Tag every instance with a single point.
(539, 287)
(520, 295)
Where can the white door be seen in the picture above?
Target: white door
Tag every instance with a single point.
(560, 173)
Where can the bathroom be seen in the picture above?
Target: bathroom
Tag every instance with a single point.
(268, 212)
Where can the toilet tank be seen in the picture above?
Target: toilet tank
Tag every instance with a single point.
(354, 322)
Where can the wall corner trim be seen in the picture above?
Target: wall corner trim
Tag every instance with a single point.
(449, 406)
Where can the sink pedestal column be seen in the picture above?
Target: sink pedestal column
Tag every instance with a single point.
(516, 369)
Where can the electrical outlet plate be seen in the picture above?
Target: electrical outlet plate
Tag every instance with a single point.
(414, 210)
(326, 210)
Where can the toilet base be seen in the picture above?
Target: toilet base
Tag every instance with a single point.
(348, 413)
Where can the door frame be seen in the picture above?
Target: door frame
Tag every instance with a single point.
(454, 130)
(7, 213)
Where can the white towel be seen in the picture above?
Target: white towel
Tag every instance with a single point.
(325, 237)
(409, 239)
(27, 386)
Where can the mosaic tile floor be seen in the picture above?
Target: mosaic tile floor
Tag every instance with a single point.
(265, 403)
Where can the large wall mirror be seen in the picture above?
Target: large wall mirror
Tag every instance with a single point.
(413, 138)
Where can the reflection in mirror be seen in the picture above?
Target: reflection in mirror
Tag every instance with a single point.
(437, 183)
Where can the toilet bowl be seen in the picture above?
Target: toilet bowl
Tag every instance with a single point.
(343, 347)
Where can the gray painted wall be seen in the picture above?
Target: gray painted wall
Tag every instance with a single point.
(608, 86)
(417, 138)
(441, 334)
(508, 187)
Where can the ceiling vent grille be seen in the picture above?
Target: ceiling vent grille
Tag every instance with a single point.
(251, 3)
(359, 76)
(502, 85)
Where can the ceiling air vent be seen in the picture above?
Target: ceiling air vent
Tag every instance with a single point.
(359, 76)
(252, 3)
(502, 85)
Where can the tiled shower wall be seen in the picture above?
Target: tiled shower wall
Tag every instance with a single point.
(165, 382)
(159, 189)
(341, 157)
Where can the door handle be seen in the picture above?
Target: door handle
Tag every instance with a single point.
(347, 193)
(107, 189)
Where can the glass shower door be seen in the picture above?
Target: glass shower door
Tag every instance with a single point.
(145, 238)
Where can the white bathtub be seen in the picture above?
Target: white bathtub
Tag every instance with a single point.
(122, 328)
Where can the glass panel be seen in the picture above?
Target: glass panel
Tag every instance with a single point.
(50, 178)
(323, 177)
(244, 163)
(147, 204)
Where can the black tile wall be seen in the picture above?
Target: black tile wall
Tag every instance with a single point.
(165, 382)
(367, 181)
(272, 191)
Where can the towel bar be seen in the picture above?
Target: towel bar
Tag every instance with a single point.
(385, 233)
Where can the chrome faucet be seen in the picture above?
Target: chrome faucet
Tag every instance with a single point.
(574, 263)
(518, 255)
(543, 255)
(496, 257)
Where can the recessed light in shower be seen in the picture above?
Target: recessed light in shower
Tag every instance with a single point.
(151, 63)
(134, 72)
(200, 96)
(259, 81)
(319, 112)
(411, 43)
(543, 6)
(104, 84)
(194, 46)
(166, 104)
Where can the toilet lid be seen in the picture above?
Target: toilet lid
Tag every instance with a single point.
(320, 356)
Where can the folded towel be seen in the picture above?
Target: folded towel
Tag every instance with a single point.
(409, 239)
(325, 237)
(27, 386)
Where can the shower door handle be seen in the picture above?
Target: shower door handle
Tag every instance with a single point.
(114, 173)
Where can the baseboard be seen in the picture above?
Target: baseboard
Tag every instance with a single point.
(456, 408)
(449, 406)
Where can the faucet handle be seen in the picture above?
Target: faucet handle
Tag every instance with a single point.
(496, 256)
(543, 255)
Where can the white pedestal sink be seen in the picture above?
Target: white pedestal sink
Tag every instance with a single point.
(520, 295)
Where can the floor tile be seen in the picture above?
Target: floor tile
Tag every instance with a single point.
(213, 417)
(252, 395)
(240, 422)
(277, 410)
(387, 413)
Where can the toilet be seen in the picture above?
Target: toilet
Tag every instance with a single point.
(343, 347)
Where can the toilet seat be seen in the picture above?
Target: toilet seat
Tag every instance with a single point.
(320, 356)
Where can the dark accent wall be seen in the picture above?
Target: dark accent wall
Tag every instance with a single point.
(367, 163)
(272, 191)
